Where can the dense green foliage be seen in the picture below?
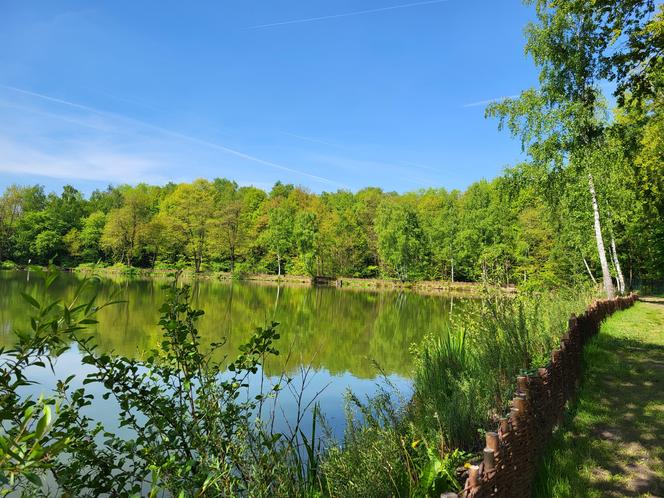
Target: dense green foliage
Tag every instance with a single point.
(504, 231)
(574, 145)
(188, 426)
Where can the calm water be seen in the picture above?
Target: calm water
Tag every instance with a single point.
(339, 333)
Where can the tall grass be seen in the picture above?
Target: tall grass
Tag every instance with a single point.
(463, 379)
(446, 387)
(372, 460)
(466, 375)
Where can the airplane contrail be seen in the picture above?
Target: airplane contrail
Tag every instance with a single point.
(346, 14)
(176, 134)
(489, 101)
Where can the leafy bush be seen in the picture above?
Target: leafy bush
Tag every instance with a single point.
(8, 265)
(192, 431)
(34, 433)
(163, 265)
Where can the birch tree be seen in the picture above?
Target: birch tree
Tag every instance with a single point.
(573, 44)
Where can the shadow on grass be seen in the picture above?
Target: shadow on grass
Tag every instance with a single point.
(612, 441)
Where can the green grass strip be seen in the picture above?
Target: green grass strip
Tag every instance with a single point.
(612, 442)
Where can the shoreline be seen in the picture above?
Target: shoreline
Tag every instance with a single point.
(342, 283)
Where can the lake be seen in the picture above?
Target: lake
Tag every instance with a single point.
(340, 334)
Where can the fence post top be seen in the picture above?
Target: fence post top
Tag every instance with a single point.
(474, 476)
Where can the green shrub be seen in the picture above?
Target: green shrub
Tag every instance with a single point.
(189, 430)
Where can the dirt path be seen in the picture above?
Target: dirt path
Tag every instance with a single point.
(613, 443)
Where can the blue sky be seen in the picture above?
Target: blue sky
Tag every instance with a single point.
(323, 94)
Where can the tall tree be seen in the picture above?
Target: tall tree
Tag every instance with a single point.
(191, 206)
(305, 236)
(571, 44)
(401, 242)
(124, 231)
(279, 232)
(10, 209)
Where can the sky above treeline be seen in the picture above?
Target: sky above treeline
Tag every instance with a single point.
(323, 94)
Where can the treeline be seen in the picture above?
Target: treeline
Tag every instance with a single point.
(509, 230)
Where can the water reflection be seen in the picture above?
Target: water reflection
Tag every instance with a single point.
(340, 333)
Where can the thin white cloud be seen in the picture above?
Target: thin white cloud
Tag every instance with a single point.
(489, 101)
(82, 162)
(346, 14)
(92, 124)
(175, 134)
(53, 99)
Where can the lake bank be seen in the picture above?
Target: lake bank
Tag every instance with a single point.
(346, 283)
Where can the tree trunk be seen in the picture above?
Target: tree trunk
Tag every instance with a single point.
(278, 265)
(276, 301)
(606, 275)
(154, 257)
(452, 271)
(616, 263)
(592, 277)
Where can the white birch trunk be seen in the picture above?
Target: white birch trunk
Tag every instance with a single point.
(589, 272)
(606, 274)
(616, 263)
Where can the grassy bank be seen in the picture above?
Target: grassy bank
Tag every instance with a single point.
(612, 443)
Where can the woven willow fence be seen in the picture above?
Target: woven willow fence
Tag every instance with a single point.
(512, 452)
